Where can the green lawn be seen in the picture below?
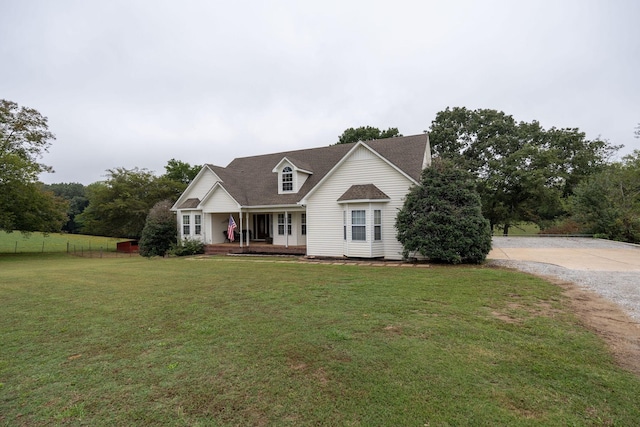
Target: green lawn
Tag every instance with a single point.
(227, 341)
(17, 242)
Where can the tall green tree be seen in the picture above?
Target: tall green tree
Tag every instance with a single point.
(177, 170)
(74, 194)
(366, 133)
(524, 172)
(608, 203)
(24, 206)
(442, 217)
(118, 206)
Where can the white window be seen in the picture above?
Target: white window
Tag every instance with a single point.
(287, 179)
(186, 227)
(303, 222)
(197, 221)
(377, 225)
(358, 225)
(281, 224)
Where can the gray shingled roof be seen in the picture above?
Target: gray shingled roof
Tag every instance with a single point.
(251, 182)
(190, 204)
(363, 192)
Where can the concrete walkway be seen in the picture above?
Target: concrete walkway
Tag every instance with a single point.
(573, 253)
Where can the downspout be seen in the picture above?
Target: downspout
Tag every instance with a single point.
(347, 221)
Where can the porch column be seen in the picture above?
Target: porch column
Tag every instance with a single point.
(286, 229)
(240, 216)
(248, 232)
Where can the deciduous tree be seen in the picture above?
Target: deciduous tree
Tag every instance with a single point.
(24, 206)
(118, 206)
(74, 194)
(366, 133)
(609, 203)
(177, 170)
(523, 171)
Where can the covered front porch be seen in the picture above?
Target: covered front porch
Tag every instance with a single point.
(267, 228)
(255, 247)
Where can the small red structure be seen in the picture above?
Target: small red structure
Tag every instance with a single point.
(127, 246)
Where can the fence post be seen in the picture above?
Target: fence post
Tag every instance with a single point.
(67, 246)
(15, 251)
(43, 246)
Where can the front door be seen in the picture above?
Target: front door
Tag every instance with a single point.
(261, 226)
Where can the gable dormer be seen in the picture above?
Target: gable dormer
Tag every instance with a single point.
(291, 175)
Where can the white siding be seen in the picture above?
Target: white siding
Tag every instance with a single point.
(324, 214)
(295, 238)
(299, 178)
(218, 224)
(192, 225)
(201, 187)
(220, 201)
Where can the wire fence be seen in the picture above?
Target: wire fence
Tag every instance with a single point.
(92, 247)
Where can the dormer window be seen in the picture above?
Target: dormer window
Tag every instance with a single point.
(291, 177)
(287, 179)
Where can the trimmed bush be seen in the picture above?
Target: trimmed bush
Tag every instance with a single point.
(442, 217)
(187, 247)
(159, 232)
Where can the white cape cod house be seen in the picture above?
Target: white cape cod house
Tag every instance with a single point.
(337, 201)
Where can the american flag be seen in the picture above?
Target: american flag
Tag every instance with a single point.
(231, 228)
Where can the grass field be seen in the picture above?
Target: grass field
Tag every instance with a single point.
(226, 341)
(17, 242)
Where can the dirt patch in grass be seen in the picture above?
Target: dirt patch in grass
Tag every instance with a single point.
(608, 320)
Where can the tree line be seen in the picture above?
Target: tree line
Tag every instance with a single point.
(115, 207)
(555, 178)
(119, 205)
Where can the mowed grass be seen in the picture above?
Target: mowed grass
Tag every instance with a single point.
(17, 242)
(226, 341)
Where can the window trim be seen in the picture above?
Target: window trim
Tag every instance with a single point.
(303, 223)
(287, 179)
(282, 223)
(186, 225)
(377, 225)
(358, 225)
(197, 224)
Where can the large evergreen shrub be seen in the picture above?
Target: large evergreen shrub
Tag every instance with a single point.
(442, 217)
(160, 230)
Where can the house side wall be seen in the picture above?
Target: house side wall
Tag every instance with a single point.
(219, 201)
(194, 233)
(299, 178)
(325, 215)
(217, 225)
(201, 187)
(295, 238)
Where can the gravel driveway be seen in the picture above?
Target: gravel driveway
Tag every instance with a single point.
(611, 269)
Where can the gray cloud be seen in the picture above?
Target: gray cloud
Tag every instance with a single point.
(139, 82)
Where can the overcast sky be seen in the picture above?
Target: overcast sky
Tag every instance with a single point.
(136, 83)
